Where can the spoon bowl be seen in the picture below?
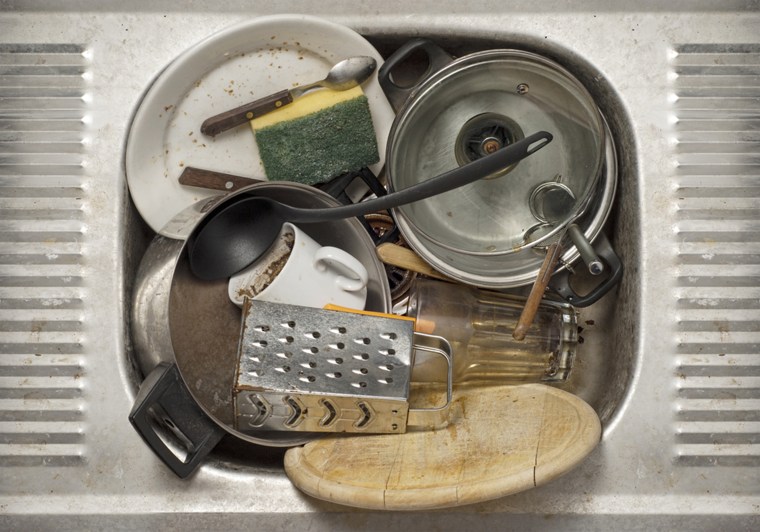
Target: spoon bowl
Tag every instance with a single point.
(344, 75)
(242, 230)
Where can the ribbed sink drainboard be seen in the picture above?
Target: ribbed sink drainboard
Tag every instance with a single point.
(43, 103)
(718, 265)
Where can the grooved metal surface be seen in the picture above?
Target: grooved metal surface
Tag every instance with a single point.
(43, 102)
(717, 108)
(671, 361)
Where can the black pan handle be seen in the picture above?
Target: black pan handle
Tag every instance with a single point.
(437, 59)
(560, 282)
(163, 398)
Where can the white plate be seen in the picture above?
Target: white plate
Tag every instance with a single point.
(235, 66)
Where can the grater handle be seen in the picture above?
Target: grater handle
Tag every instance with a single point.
(436, 417)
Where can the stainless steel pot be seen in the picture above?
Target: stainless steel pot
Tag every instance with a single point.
(186, 332)
(486, 235)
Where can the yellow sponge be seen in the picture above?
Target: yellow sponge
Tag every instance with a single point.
(320, 135)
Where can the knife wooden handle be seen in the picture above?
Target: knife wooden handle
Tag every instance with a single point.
(240, 115)
(197, 177)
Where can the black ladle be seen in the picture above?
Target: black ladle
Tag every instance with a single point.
(230, 240)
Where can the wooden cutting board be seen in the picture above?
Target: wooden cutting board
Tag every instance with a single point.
(501, 440)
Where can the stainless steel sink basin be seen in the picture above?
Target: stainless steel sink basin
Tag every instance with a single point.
(670, 361)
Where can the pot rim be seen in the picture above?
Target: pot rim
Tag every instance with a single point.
(603, 200)
(474, 60)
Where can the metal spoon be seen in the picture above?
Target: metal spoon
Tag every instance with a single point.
(344, 75)
(228, 241)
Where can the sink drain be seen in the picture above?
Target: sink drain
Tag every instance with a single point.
(484, 134)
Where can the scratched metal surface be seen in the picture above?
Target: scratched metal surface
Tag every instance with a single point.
(671, 361)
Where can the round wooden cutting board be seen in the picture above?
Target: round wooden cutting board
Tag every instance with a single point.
(501, 440)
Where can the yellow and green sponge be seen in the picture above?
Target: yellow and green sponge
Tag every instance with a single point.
(321, 135)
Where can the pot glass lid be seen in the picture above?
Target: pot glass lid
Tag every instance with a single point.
(475, 106)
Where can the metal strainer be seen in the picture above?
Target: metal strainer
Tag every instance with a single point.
(325, 370)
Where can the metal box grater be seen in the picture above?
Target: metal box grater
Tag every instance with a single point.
(318, 370)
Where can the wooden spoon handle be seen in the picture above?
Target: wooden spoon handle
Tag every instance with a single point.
(401, 257)
(553, 254)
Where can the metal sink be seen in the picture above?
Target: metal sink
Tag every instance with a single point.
(670, 360)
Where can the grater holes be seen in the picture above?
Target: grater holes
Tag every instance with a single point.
(360, 384)
(334, 375)
(387, 380)
(314, 334)
(389, 336)
(339, 345)
(286, 339)
(386, 367)
(387, 352)
(362, 341)
(260, 343)
(361, 371)
(362, 356)
(331, 413)
(254, 358)
(310, 364)
(338, 330)
(366, 415)
(262, 328)
(336, 360)
(307, 378)
(284, 354)
(289, 324)
(262, 410)
(296, 412)
(313, 350)
(284, 369)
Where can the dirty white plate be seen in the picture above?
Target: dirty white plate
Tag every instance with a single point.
(237, 65)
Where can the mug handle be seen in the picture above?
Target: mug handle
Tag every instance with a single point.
(437, 59)
(355, 276)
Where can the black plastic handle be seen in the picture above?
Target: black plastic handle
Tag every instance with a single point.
(163, 398)
(437, 59)
(560, 282)
(458, 177)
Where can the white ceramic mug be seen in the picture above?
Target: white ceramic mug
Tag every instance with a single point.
(299, 271)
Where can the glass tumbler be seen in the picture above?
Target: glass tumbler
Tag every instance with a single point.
(479, 324)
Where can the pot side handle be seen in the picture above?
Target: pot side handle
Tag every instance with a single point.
(164, 399)
(560, 283)
(437, 59)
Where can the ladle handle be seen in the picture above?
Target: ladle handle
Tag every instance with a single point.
(450, 180)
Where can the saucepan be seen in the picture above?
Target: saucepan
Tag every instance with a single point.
(186, 333)
(493, 233)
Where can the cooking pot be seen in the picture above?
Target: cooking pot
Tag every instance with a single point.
(186, 333)
(488, 234)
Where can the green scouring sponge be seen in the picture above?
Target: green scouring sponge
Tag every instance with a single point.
(321, 135)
